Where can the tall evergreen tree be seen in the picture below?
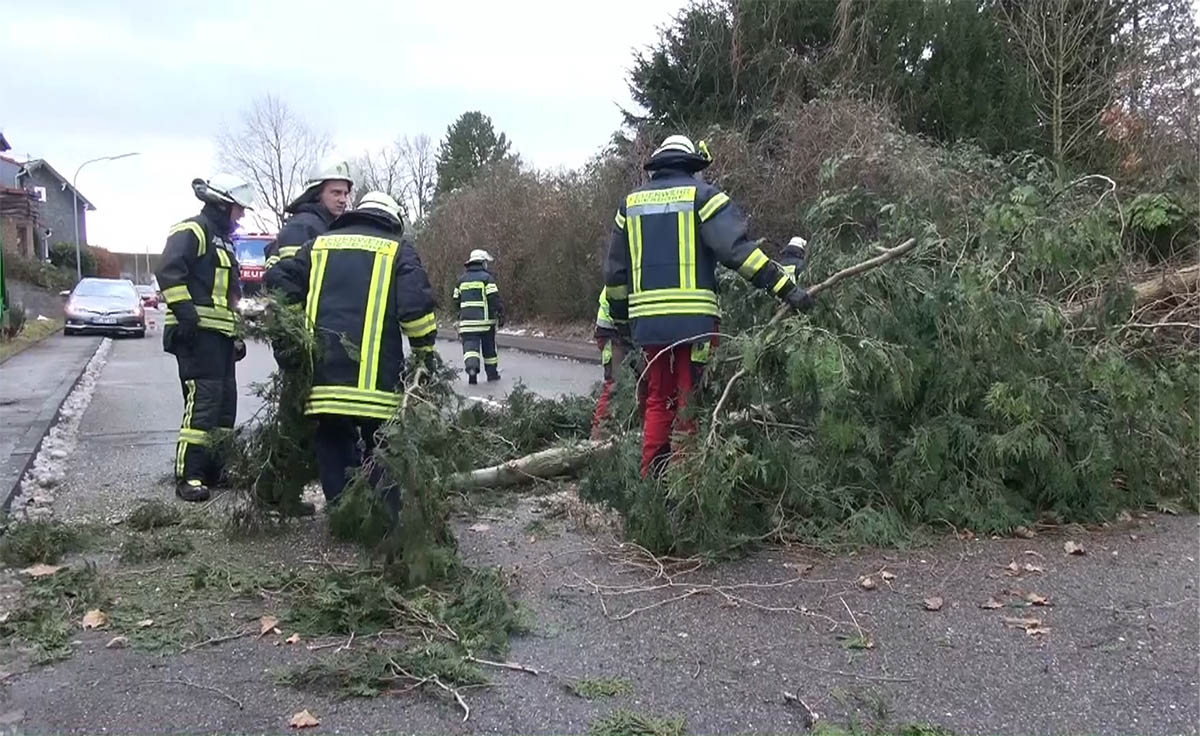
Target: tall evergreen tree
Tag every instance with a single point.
(470, 144)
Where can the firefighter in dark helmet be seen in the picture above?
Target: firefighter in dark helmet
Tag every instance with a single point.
(198, 276)
(362, 287)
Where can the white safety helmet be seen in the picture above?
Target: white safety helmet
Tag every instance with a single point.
(226, 188)
(380, 202)
(479, 255)
(681, 150)
(797, 242)
(680, 143)
(329, 170)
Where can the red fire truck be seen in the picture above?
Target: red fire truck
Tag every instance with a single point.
(251, 251)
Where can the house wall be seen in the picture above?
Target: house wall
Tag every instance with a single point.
(59, 212)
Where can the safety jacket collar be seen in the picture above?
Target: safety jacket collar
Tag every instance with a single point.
(370, 218)
(685, 163)
(217, 217)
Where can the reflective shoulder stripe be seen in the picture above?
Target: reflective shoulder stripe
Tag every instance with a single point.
(620, 220)
(288, 251)
(355, 242)
(272, 261)
(718, 200)
(660, 196)
(421, 326)
(753, 263)
(492, 289)
(175, 294)
(616, 293)
(196, 230)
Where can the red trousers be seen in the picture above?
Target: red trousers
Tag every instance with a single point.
(670, 379)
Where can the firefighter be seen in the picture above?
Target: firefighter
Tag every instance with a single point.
(198, 276)
(326, 196)
(667, 240)
(613, 341)
(361, 285)
(479, 313)
(794, 256)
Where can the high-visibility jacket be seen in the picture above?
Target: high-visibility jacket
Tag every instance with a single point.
(198, 274)
(666, 242)
(604, 318)
(478, 300)
(792, 260)
(362, 287)
(308, 220)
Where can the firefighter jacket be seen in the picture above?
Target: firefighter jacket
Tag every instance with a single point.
(478, 300)
(308, 220)
(792, 260)
(198, 274)
(361, 286)
(668, 237)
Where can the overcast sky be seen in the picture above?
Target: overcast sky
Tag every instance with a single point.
(161, 78)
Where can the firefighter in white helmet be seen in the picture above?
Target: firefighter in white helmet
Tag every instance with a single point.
(794, 256)
(480, 312)
(326, 196)
(198, 276)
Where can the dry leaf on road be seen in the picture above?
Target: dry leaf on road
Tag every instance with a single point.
(267, 624)
(117, 642)
(1012, 569)
(145, 623)
(887, 576)
(991, 603)
(1033, 568)
(933, 604)
(479, 527)
(304, 719)
(293, 639)
(1036, 600)
(95, 619)
(41, 570)
(867, 583)
(1074, 548)
(1022, 623)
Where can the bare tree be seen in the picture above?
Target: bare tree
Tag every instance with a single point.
(381, 171)
(273, 148)
(420, 166)
(1071, 56)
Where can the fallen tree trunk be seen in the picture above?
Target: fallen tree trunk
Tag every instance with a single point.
(541, 465)
(1183, 281)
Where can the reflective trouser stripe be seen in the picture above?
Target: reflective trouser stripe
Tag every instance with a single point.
(186, 433)
(491, 361)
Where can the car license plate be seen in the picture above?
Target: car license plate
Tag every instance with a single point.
(106, 320)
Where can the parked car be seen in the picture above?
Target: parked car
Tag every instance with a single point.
(149, 295)
(110, 306)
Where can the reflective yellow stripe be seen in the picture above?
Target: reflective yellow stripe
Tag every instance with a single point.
(481, 305)
(701, 351)
(272, 261)
(189, 403)
(784, 280)
(420, 327)
(193, 436)
(753, 263)
(194, 227)
(674, 308)
(220, 292)
(349, 409)
(790, 270)
(710, 208)
(635, 252)
(288, 251)
(660, 295)
(606, 353)
(381, 281)
(616, 293)
(316, 276)
(355, 242)
(660, 196)
(491, 361)
(687, 250)
(620, 220)
(475, 325)
(176, 294)
(492, 289)
(347, 393)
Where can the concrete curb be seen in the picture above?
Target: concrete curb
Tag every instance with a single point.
(28, 446)
(585, 352)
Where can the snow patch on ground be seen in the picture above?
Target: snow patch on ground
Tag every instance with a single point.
(35, 497)
(512, 331)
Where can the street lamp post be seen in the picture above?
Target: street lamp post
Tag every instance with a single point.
(75, 203)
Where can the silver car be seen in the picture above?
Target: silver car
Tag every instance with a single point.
(110, 306)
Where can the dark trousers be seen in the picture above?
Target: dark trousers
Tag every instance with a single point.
(209, 382)
(343, 445)
(480, 347)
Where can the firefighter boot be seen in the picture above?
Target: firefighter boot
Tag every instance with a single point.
(192, 490)
(492, 374)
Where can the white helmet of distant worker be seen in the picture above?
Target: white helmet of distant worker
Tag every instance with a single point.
(479, 255)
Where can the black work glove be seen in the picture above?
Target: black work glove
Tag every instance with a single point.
(500, 321)
(798, 299)
(239, 349)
